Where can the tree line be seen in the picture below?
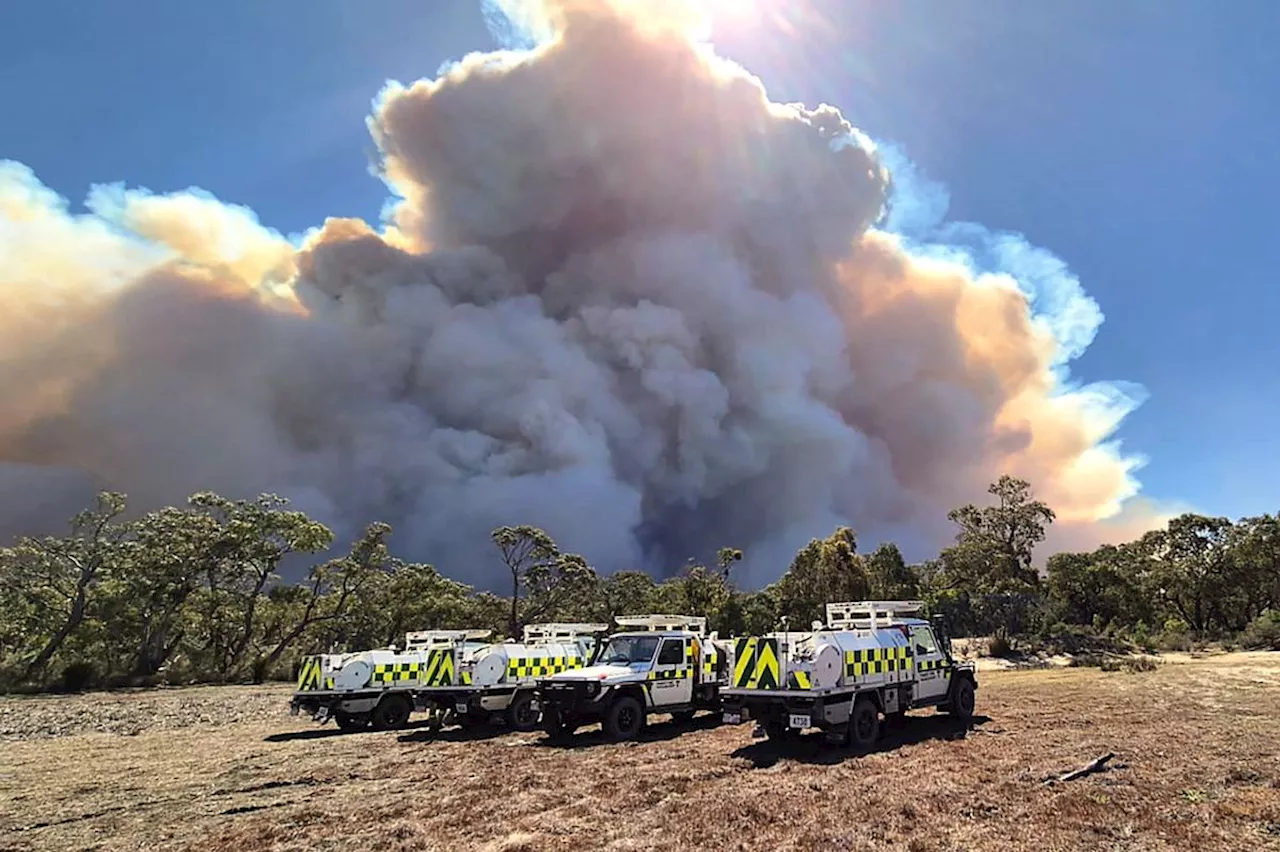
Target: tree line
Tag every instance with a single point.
(193, 594)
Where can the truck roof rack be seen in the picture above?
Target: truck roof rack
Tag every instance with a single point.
(441, 638)
(554, 631)
(868, 614)
(692, 623)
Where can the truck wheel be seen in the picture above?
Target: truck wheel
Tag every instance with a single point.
(556, 726)
(777, 729)
(962, 699)
(473, 720)
(348, 722)
(520, 713)
(864, 724)
(623, 719)
(392, 713)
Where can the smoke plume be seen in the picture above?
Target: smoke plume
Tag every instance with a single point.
(620, 295)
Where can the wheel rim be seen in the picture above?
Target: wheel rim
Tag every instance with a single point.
(864, 726)
(525, 714)
(626, 717)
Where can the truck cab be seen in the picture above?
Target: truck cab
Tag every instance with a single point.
(657, 664)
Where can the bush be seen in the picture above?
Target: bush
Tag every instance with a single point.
(1263, 633)
(1175, 637)
(77, 677)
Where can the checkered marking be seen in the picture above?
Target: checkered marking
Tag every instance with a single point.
(436, 670)
(528, 668)
(877, 661)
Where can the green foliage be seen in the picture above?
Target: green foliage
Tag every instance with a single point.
(194, 594)
(1263, 633)
(825, 570)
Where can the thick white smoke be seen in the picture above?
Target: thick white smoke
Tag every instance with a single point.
(622, 296)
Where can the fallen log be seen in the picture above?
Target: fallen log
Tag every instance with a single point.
(1095, 765)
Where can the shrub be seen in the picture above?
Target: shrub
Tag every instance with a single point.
(77, 677)
(1263, 633)
(1140, 664)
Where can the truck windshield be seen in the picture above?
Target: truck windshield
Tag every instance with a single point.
(629, 649)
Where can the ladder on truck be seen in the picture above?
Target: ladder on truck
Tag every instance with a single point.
(695, 624)
(430, 640)
(869, 615)
(552, 633)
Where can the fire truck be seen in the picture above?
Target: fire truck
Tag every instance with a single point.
(870, 658)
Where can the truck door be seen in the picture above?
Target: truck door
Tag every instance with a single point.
(671, 679)
(932, 671)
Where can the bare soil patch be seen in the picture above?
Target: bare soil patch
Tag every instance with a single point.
(1197, 766)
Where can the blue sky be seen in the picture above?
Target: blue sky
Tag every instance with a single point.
(1136, 141)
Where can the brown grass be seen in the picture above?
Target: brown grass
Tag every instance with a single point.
(1197, 768)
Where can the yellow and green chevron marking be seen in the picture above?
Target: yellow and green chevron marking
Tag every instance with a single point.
(756, 663)
(798, 680)
(436, 671)
(309, 675)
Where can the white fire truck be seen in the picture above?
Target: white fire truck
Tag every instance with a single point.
(655, 664)
(502, 678)
(379, 687)
(869, 658)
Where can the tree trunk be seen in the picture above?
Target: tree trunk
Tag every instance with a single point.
(515, 605)
(74, 619)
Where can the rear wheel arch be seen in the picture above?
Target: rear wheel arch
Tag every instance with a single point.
(392, 712)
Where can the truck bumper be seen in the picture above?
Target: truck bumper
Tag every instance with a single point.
(572, 700)
(322, 704)
(791, 708)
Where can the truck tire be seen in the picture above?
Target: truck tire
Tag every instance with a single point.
(960, 704)
(392, 713)
(864, 724)
(473, 720)
(777, 729)
(556, 726)
(349, 722)
(623, 719)
(520, 714)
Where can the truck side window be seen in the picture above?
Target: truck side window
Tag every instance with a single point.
(924, 641)
(672, 653)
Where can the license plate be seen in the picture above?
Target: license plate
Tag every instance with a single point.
(535, 706)
(460, 708)
(733, 718)
(799, 721)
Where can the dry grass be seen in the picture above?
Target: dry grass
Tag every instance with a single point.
(1198, 768)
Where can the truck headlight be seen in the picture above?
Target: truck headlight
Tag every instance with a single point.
(593, 688)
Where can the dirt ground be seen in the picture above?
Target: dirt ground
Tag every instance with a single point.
(1197, 767)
